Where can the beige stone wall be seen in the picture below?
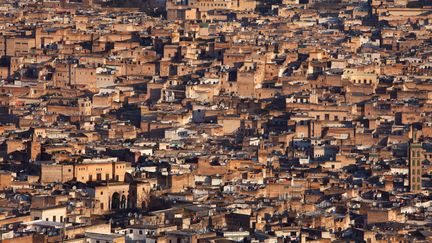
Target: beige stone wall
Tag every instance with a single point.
(4, 72)
(17, 46)
(238, 5)
(85, 76)
(55, 214)
(14, 145)
(100, 171)
(5, 180)
(204, 168)
(180, 182)
(229, 125)
(22, 239)
(56, 173)
(96, 228)
(104, 196)
(63, 110)
(141, 198)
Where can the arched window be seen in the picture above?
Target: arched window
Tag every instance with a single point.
(115, 202)
(123, 201)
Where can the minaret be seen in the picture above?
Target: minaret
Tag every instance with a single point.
(415, 163)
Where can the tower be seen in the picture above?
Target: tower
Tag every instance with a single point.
(415, 163)
(34, 149)
(84, 106)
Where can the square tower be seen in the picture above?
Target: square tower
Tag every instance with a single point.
(415, 166)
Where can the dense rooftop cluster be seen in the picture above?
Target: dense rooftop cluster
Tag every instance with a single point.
(219, 121)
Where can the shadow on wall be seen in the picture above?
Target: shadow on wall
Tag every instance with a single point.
(151, 7)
